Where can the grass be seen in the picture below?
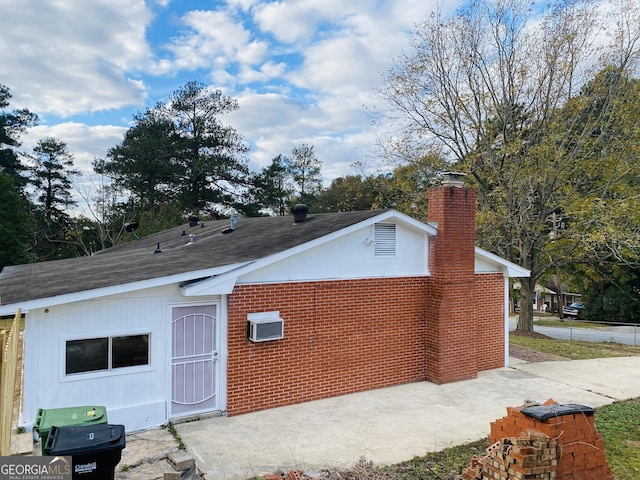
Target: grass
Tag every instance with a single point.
(555, 322)
(172, 430)
(618, 423)
(445, 464)
(574, 350)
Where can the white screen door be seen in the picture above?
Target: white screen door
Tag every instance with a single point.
(194, 366)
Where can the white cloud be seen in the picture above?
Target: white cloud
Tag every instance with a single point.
(287, 24)
(267, 71)
(252, 53)
(335, 132)
(311, 64)
(272, 122)
(293, 21)
(66, 58)
(84, 142)
(215, 40)
(337, 65)
(338, 75)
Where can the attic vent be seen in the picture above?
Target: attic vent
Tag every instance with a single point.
(384, 237)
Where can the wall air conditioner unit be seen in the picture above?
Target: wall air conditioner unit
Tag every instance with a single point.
(265, 326)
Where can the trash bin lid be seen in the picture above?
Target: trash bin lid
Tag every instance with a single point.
(72, 440)
(545, 412)
(60, 417)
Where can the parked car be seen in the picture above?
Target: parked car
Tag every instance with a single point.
(573, 310)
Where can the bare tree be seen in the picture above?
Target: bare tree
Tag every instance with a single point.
(493, 88)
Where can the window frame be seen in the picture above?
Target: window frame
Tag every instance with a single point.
(110, 370)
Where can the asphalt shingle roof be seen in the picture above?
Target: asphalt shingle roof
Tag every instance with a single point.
(252, 239)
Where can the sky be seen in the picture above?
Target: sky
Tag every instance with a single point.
(303, 71)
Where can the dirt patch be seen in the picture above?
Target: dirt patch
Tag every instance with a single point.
(530, 355)
(533, 356)
(530, 334)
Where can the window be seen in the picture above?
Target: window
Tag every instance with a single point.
(87, 355)
(384, 237)
(106, 353)
(129, 351)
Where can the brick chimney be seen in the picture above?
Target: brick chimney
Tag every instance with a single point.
(451, 326)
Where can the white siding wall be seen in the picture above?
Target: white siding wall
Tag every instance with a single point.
(350, 256)
(134, 396)
(486, 266)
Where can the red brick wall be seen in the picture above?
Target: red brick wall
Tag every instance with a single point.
(453, 249)
(489, 314)
(349, 336)
(355, 335)
(581, 445)
(340, 337)
(451, 312)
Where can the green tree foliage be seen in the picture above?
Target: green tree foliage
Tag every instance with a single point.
(51, 171)
(51, 179)
(151, 221)
(209, 154)
(180, 151)
(514, 121)
(304, 167)
(612, 292)
(16, 225)
(346, 194)
(144, 164)
(12, 124)
(272, 187)
(602, 208)
(405, 189)
(16, 219)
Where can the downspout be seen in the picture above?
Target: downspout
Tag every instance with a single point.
(506, 320)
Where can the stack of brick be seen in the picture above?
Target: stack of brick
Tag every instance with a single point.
(522, 458)
(549, 441)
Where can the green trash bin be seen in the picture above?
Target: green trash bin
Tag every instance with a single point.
(65, 417)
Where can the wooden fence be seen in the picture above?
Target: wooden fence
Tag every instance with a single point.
(9, 340)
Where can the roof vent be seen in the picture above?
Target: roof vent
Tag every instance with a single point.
(453, 179)
(234, 219)
(193, 220)
(192, 239)
(299, 211)
(131, 228)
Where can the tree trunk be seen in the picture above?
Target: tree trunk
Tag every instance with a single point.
(560, 296)
(527, 297)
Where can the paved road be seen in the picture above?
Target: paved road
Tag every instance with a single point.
(627, 335)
